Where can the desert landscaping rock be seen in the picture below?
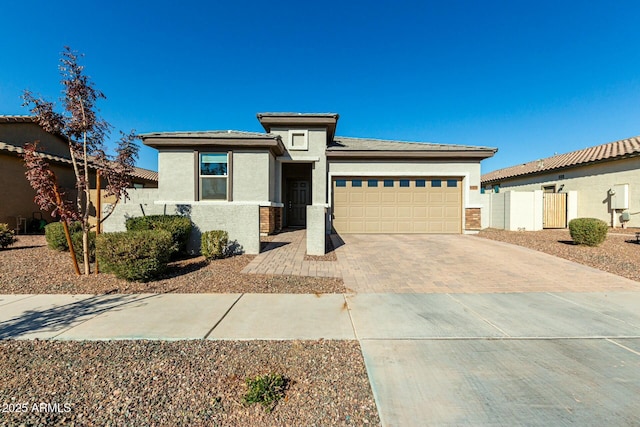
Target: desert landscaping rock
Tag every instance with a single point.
(182, 383)
(30, 266)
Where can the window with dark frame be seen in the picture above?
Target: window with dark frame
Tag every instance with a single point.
(213, 175)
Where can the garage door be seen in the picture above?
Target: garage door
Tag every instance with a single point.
(397, 205)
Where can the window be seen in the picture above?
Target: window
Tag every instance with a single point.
(421, 183)
(372, 183)
(388, 183)
(549, 188)
(452, 183)
(436, 183)
(404, 183)
(298, 139)
(356, 183)
(213, 176)
(341, 182)
(496, 188)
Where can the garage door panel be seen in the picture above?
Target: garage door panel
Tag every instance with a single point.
(356, 197)
(436, 197)
(356, 212)
(387, 212)
(372, 212)
(420, 212)
(387, 227)
(404, 211)
(404, 198)
(396, 209)
(372, 197)
(420, 196)
(372, 227)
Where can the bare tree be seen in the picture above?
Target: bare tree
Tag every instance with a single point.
(85, 132)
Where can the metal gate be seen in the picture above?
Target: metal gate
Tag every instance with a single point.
(554, 210)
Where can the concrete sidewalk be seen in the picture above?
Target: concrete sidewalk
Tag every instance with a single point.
(432, 359)
(322, 316)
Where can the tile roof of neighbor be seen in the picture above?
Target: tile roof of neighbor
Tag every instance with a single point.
(15, 119)
(629, 147)
(369, 144)
(141, 173)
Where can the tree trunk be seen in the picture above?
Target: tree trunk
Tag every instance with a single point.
(72, 251)
(65, 226)
(98, 214)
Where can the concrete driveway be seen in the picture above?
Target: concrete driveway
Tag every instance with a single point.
(502, 359)
(460, 330)
(382, 263)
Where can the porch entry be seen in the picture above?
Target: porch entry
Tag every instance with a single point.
(554, 210)
(297, 193)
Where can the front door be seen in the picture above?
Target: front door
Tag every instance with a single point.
(299, 199)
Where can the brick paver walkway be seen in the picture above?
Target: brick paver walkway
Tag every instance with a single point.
(285, 255)
(382, 263)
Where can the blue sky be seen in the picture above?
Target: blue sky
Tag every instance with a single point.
(530, 78)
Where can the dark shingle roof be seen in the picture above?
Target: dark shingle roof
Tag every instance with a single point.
(370, 144)
(629, 147)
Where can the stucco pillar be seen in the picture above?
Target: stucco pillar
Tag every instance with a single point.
(316, 217)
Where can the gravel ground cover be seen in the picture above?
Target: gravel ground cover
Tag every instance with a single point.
(29, 266)
(619, 254)
(190, 383)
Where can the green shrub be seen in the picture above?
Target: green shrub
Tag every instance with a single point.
(7, 236)
(136, 255)
(266, 390)
(76, 240)
(213, 244)
(54, 234)
(179, 227)
(588, 231)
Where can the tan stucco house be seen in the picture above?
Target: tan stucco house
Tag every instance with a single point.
(16, 195)
(300, 174)
(606, 179)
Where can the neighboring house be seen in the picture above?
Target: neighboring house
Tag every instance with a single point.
(299, 174)
(16, 206)
(606, 179)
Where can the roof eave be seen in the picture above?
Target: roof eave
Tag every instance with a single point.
(275, 145)
(274, 120)
(432, 155)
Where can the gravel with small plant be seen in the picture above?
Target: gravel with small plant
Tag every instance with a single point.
(30, 267)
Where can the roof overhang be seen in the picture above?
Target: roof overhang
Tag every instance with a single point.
(412, 155)
(300, 120)
(273, 144)
(17, 119)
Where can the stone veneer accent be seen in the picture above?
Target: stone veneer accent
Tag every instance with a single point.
(472, 219)
(270, 219)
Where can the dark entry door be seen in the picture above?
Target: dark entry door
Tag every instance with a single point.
(299, 199)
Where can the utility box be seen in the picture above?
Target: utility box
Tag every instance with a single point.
(620, 197)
